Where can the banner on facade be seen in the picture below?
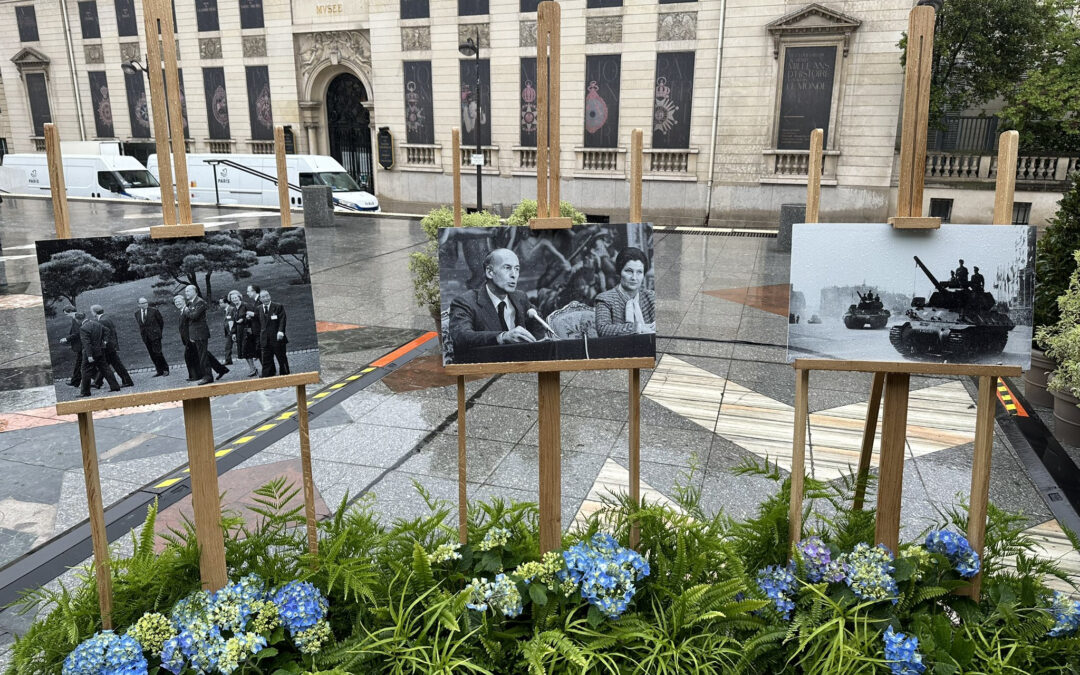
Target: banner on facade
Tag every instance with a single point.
(414, 9)
(475, 118)
(138, 110)
(806, 98)
(673, 100)
(419, 125)
(88, 19)
(259, 111)
(528, 102)
(126, 23)
(37, 90)
(251, 14)
(602, 76)
(206, 15)
(99, 99)
(217, 107)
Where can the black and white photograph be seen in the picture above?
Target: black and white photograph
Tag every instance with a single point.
(515, 294)
(868, 292)
(131, 314)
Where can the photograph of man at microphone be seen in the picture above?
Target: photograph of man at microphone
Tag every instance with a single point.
(513, 294)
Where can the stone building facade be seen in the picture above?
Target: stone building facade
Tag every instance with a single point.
(724, 137)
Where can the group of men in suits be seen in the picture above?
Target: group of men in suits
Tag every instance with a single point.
(94, 339)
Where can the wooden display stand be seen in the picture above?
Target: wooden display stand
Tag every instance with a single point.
(548, 217)
(892, 380)
(198, 422)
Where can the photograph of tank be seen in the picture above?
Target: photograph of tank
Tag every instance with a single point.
(869, 292)
(130, 314)
(515, 294)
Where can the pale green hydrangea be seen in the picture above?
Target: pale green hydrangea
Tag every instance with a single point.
(496, 537)
(443, 553)
(151, 631)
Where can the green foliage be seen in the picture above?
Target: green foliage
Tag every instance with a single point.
(67, 274)
(527, 210)
(181, 262)
(1061, 342)
(1043, 108)
(1054, 261)
(424, 265)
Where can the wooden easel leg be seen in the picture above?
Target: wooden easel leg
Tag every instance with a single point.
(100, 539)
(550, 463)
(462, 494)
(798, 455)
(635, 451)
(205, 499)
(891, 480)
(869, 432)
(305, 468)
(980, 473)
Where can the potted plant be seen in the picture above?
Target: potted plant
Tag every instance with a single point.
(1062, 344)
(1054, 264)
(526, 211)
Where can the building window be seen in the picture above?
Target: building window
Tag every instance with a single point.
(528, 5)
(126, 23)
(251, 14)
(941, 208)
(217, 107)
(475, 119)
(206, 15)
(472, 7)
(26, 17)
(88, 18)
(673, 100)
(528, 102)
(37, 90)
(1021, 213)
(415, 9)
(99, 99)
(603, 73)
(138, 110)
(259, 110)
(419, 126)
(594, 4)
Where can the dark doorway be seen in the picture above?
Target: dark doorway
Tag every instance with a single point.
(348, 127)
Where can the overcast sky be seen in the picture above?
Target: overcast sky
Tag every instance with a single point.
(875, 254)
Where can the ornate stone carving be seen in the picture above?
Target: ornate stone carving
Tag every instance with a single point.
(677, 26)
(813, 19)
(254, 45)
(316, 50)
(603, 29)
(130, 51)
(94, 54)
(527, 34)
(210, 48)
(415, 38)
(468, 30)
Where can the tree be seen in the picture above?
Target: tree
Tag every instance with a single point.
(1044, 108)
(1054, 259)
(69, 273)
(180, 261)
(984, 48)
(287, 245)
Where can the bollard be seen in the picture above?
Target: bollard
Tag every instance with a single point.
(789, 215)
(318, 206)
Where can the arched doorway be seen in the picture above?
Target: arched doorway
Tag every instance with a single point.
(347, 124)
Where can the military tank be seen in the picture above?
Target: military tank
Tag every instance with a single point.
(869, 313)
(956, 322)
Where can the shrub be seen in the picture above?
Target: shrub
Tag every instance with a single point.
(1054, 261)
(526, 211)
(1061, 341)
(424, 265)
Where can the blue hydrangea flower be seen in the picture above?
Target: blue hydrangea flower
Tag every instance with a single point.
(902, 653)
(604, 572)
(232, 606)
(818, 563)
(778, 584)
(172, 658)
(300, 605)
(106, 653)
(1066, 613)
(956, 548)
(869, 573)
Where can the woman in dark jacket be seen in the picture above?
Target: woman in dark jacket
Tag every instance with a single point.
(243, 334)
(628, 308)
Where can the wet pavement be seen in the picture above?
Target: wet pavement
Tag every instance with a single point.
(721, 395)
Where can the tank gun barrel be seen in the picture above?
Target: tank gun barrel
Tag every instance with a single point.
(933, 280)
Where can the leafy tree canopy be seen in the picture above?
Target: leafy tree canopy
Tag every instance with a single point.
(69, 273)
(180, 262)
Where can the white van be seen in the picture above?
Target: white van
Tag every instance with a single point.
(101, 176)
(250, 179)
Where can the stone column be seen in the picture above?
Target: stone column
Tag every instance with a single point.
(311, 116)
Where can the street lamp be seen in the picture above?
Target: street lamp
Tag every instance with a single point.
(132, 67)
(471, 48)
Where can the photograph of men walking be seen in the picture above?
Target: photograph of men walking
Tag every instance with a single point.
(136, 314)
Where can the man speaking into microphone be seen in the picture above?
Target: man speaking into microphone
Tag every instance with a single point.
(496, 313)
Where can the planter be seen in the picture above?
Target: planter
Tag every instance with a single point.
(1035, 379)
(1066, 418)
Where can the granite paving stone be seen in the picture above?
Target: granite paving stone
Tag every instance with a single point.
(663, 445)
(521, 469)
(439, 458)
(582, 434)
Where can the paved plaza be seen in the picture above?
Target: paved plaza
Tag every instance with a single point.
(721, 394)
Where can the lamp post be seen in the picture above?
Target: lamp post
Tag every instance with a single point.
(471, 48)
(133, 66)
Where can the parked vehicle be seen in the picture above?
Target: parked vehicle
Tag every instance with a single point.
(102, 176)
(252, 179)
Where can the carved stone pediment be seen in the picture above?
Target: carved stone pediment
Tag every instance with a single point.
(814, 19)
(350, 47)
(29, 58)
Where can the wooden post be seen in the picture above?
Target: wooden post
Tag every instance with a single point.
(635, 175)
(550, 462)
(160, 115)
(634, 435)
(57, 185)
(891, 481)
(305, 468)
(455, 142)
(869, 432)
(463, 510)
(1008, 144)
(920, 49)
(813, 176)
(798, 455)
(282, 176)
(205, 501)
(548, 50)
(980, 472)
(176, 113)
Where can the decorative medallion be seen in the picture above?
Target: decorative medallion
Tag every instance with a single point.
(262, 107)
(130, 51)
(142, 112)
(220, 106)
(528, 108)
(527, 34)
(414, 113)
(104, 106)
(468, 30)
(210, 48)
(596, 110)
(415, 38)
(677, 26)
(94, 54)
(664, 108)
(603, 29)
(254, 45)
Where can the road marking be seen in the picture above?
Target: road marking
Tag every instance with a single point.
(266, 427)
(168, 482)
(1008, 400)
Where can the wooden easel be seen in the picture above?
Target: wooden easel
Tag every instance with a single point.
(893, 379)
(548, 389)
(198, 422)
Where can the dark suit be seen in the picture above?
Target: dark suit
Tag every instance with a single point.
(199, 334)
(75, 342)
(191, 355)
(272, 321)
(150, 328)
(112, 352)
(92, 337)
(475, 323)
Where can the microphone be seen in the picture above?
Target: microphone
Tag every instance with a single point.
(536, 315)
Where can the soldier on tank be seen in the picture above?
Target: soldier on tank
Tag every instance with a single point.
(962, 275)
